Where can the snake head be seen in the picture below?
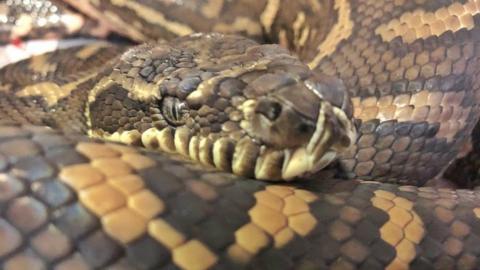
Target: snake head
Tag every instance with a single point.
(307, 119)
(225, 101)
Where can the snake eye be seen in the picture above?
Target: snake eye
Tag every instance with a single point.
(269, 109)
(174, 110)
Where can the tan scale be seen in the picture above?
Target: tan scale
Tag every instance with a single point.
(238, 25)
(127, 184)
(206, 88)
(129, 137)
(165, 233)
(51, 243)
(221, 148)
(24, 260)
(301, 30)
(163, 140)
(75, 261)
(193, 148)
(420, 24)
(340, 31)
(280, 213)
(126, 208)
(51, 92)
(404, 230)
(202, 190)
(40, 64)
(212, 8)
(122, 26)
(11, 237)
(101, 197)
(139, 89)
(89, 51)
(432, 107)
(154, 17)
(269, 13)
(194, 255)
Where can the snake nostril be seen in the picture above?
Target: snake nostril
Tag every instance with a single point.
(305, 128)
(269, 109)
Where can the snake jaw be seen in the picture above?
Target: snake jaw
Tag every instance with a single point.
(334, 133)
(325, 114)
(286, 121)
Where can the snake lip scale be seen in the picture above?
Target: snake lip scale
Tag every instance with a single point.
(203, 145)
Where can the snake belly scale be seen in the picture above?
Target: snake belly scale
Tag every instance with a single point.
(387, 90)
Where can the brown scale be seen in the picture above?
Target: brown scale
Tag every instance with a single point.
(418, 89)
(59, 108)
(137, 211)
(465, 171)
(161, 95)
(387, 74)
(396, 74)
(114, 111)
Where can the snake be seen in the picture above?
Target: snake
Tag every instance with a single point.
(266, 134)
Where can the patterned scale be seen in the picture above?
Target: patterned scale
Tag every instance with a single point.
(411, 68)
(69, 204)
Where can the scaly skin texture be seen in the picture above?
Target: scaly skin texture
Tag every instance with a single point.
(225, 101)
(413, 97)
(409, 67)
(414, 89)
(465, 171)
(70, 204)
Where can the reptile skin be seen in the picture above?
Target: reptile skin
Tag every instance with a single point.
(411, 69)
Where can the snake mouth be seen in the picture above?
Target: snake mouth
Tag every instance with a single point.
(245, 155)
(305, 124)
(334, 133)
(276, 144)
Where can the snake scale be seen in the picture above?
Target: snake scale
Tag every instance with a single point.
(384, 93)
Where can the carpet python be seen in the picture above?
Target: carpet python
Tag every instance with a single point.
(384, 94)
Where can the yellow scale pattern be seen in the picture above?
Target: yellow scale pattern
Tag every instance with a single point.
(340, 31)
(404, 229)
(280, 212)
(433, 107)
(420, 24)
(109, 188)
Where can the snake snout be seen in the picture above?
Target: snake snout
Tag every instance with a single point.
(319, 124)
(308, 120)
(286, 119)
(278, 120)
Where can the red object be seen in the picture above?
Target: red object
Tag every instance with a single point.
(17, 42)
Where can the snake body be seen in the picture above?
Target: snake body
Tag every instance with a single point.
(255, 111)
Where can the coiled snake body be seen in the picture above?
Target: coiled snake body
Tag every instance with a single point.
(387, 89)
